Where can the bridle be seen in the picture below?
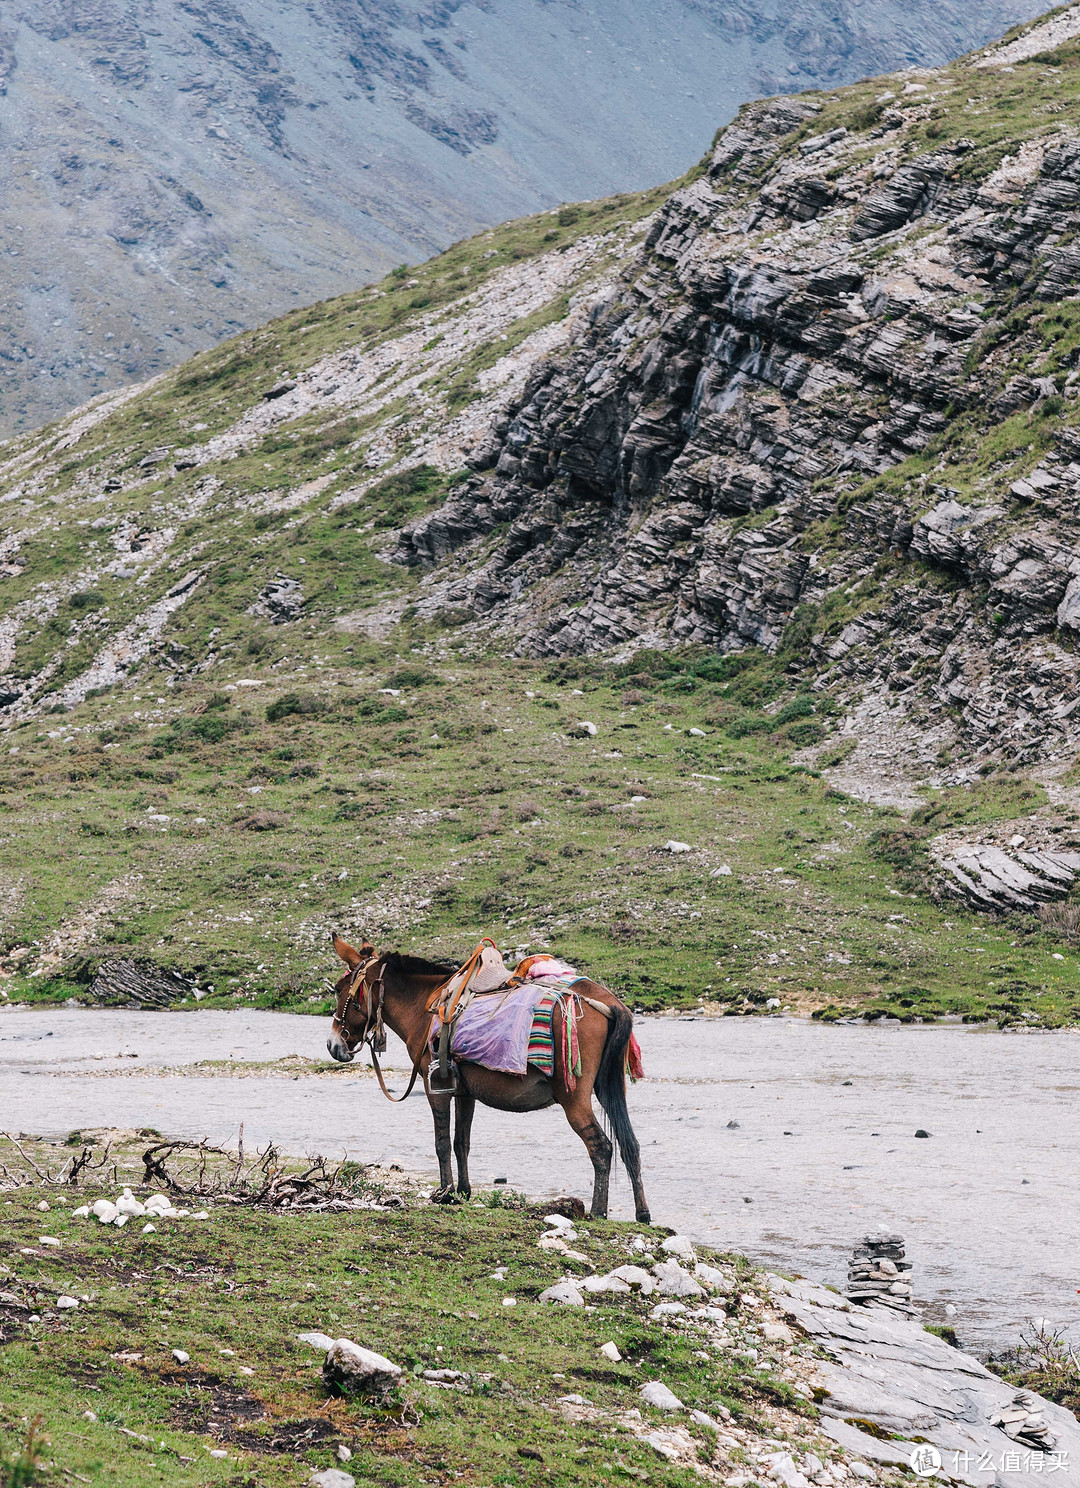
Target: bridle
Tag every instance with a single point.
(359, 992)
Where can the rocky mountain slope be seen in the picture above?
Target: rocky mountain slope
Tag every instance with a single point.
(738, 515)
(175, 172)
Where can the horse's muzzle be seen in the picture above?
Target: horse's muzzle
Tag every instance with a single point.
(338, 1049)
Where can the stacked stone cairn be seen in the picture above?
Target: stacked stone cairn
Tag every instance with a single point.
(877, 1272)
(1024, 1422)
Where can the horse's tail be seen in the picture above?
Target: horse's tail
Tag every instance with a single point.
(609, 1088)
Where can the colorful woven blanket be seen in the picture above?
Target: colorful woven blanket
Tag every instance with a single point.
(511, 1029)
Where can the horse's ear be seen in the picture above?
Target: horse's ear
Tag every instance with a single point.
(348, 953)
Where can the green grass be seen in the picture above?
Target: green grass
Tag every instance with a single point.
(416, 1284)
(464, 807)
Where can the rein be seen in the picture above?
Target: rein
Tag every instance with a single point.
(374, 1034)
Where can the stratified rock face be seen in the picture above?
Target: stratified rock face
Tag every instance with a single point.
(722, 450)
(175, 172)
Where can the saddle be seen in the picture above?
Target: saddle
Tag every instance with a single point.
(484, 972)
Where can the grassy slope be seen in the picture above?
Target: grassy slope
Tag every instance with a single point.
(414, 1284)
(502, 824)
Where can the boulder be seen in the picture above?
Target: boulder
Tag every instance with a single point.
(678, 1245)
(565, 1292)
(673, 1281)
(653, 1392)
(350, 1369)
(319, 1341)
(636, 1276)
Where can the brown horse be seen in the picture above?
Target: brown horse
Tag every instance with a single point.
(397, 989)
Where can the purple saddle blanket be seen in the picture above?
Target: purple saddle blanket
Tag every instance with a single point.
(494, 1029)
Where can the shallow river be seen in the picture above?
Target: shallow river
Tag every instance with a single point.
(824, 1147)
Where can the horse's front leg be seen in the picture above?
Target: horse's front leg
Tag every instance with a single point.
(579, 1112)
(440, 1110)
(463, 1115)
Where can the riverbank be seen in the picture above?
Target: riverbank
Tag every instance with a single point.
(173, 1349)
(779, 1138)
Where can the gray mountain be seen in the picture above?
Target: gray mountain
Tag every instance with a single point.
(176, 171)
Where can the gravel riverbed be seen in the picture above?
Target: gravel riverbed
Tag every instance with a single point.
(824, 1148)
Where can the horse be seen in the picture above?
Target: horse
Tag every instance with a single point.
(397, 989)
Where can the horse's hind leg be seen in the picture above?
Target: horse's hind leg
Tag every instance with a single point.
(465, 1105)
(579, 1112)
(440, 1110)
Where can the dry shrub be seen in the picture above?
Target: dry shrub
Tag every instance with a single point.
(1062, 917)
(527, 810)
(261, 821)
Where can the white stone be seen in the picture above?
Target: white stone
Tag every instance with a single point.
(352, 1367)
(149, 1229)
(83, 1212)
(120, 1221)
(50, 1241)
(66, 1303)
(701, 1419)
(611, 1283)
(105, 1210)
(128, 1204)
(218, 1452)
(667, 1309)
(636, 1276)
(712, 1277)
(509, 1301)
(180, 1356)
(723, 871)
(777, 1333)
(675, 1282)
(565, 1292)
(558, 1221)
(610, 1351)
(343, 1453)
(44, 1206)
(861, 1470)
(316, 1340)
(654, 1392)
(678, 1245)
(672, 846)
(332, 1477)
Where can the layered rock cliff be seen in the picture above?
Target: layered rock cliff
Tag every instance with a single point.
(826, 409)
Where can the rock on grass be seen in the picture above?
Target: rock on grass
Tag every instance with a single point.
(350, 1370)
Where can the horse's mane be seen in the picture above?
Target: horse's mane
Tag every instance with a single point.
(416, 965)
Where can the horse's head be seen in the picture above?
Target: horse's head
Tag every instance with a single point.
(353, 1004)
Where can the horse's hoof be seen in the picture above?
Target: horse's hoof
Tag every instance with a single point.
(464, 1193)
(644, 1217)
(446, 1196)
